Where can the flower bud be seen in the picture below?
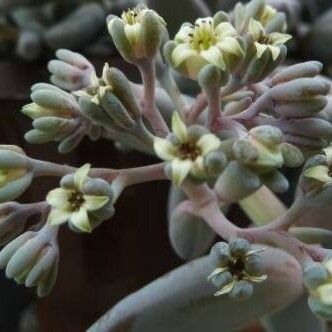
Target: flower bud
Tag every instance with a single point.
(122, 89)
(115, 109)
(275, 181)
(57, 117)
(215, 162)
(212, 76)
(32, 259)
(260, 151)
(138, 34)
(72, 71)
(236, 183)
(314, 274)
(293, 157)
(15, 172)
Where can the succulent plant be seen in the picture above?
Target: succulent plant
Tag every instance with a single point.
(231, 143)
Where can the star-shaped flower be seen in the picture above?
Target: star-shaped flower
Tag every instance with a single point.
(238, 265)
(266, 41)
(73, 204)
(206, 42)
(185, 149)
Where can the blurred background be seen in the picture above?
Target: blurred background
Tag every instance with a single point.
(132, 249)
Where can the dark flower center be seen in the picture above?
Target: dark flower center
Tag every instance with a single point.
(76, 200)
(237, 267)
(189, 150)
(265, 40)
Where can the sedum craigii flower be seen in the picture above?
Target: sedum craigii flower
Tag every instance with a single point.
(264, 41)
(208, 41)
(185, 149)
(238, 265)
(82, 201)
(138, 33)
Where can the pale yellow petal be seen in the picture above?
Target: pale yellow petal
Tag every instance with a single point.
(198, 167)
(225, 29)
(80, 175)
(324, 292)
(132, 32)
(260, 49)
(231, 45)
(80, 220)
(58, 217)
(275, 51)
(226, 289)
(320, 173)
(217, 271)
(58, 198)
(92, 202)
(214, 56)
(278, 38)
(164, 149)
(179, 128)
(256, 278)
(180, 170)
(181, 53)
(208, 143)
(255, 28)
(183, 34)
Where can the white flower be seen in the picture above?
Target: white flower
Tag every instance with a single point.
(267, 41)
(205, 42)
(73, 205)
(185, 152)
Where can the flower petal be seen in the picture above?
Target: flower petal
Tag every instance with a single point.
(58, 198)
(164, 148)
(225, 29)
(226, 289)
(80, 175)
(208, 143)
(231, 45)
(58, 217)
(214, 56)
(180, 169)
(93, 202)
(183, 34)
(80, 220)
(179, 128)
(325, 293)
(256, 278)
(275, 51)
(328, 153)
(255, 28)
(278, 38)
(181, 53)
(320, 173)
(260, 49)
